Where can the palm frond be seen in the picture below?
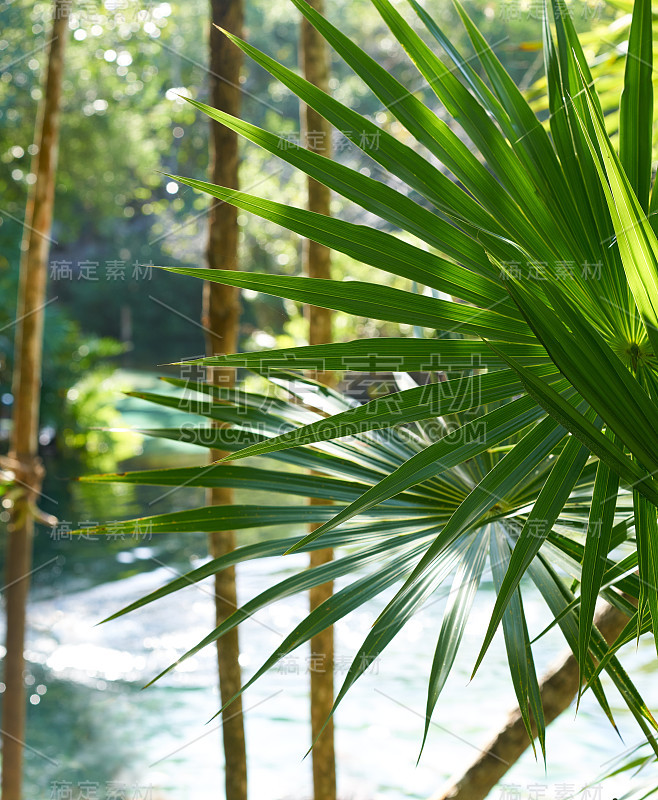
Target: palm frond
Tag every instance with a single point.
(534, 452)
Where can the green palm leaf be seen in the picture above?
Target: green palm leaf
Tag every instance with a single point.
(535, 438)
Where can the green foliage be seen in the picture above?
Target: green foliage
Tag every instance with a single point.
(393, 536)
(124, 124)
(75, 395)
(535, 451)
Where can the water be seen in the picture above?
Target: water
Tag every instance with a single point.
(94, 733)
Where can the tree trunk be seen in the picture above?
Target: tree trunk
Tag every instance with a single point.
(316, 135)
(558, 688)
(26, 389)
(221, 316)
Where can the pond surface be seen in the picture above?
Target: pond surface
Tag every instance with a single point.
(94, 733)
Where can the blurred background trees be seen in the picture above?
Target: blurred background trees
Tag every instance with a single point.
(123, 125)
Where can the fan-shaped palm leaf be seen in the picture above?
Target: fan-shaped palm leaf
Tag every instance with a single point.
(545, 328)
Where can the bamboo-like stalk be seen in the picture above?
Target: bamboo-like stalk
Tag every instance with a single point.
(316, 136)
(26, 390)
(221, 316)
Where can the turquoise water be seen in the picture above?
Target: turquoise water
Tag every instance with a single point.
(93, 730)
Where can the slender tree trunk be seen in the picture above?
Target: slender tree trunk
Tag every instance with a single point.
(221, 316)
(316, 135)
(26, 390)
(558, 689)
